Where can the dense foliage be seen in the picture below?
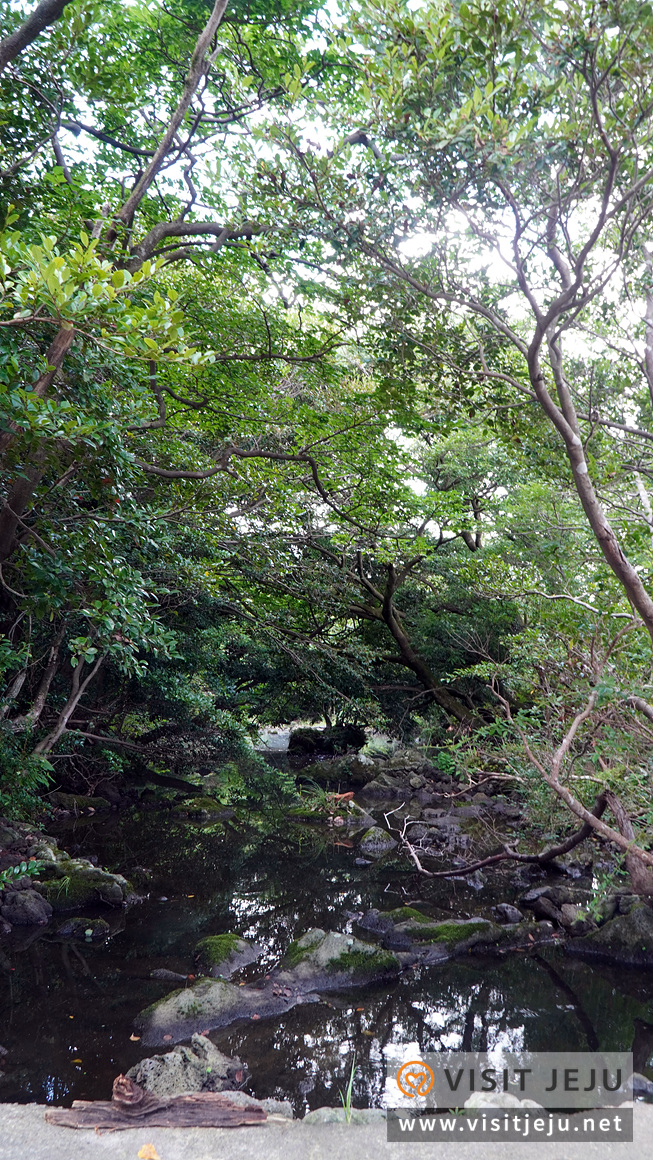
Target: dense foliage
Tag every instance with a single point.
(326, 358)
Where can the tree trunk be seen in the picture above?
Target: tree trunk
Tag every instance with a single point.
(20, 493)
(77, 690)
(55, 355)
(641, 876)
(28, 720)
(415, 662)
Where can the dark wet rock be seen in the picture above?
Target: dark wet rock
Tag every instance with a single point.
(198, 1068)
(555, 894)
(77, 803)
(454, 937)
(339, 739)
(330, 961)
(25, 908)
(385, 786)
(210, 1004)
(223, 954)
(507, 913)
(626, 939)
(377, 841)
(5, 927)
(543, 907)
(375, 922)
(87, 929)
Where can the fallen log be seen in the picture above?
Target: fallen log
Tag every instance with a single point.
(132, 1107)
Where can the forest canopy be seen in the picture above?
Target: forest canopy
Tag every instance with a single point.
(326, 360)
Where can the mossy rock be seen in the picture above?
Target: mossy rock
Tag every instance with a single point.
(86, 929)
(626, 939)
(75, 887)
(406, 914)
(201, 806)
(77, 803)
(222, 954)
(322, 961)
(376, 841)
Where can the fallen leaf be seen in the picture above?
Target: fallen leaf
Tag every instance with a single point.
(134, 1038)
(191, 976)
(148, 1152)
(256, 1016)
(167, 1038)
(205, 1032)
(370, 1033)
(190, 896)
(77, 1061)
(360, 1008)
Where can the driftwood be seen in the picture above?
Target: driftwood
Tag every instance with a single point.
(131, 1107)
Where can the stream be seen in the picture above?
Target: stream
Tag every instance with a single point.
(67, 1009)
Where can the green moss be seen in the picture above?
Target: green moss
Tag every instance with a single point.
(298, 951)
(364, 962)
(406, 913)
(200, 805)
(216, 949)
(68, 893)
(450, 933)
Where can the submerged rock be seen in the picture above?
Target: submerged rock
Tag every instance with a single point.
(626, 939)
(73, 883)
(222, 954)
(198, 1068)
(88, 929)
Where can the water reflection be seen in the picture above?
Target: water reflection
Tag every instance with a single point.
(63, 1003)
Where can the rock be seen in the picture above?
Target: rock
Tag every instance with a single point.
(377, 841)
(338, 1116)
(222, 954)
(198, 1068)
(376, 922)
(74, 883)
(498, 1100)
(77, 803)
(385, 786)
(273, 1107)
(416, 781)
(446, 939)
(213, 1003)
(5, 927)
(544, 908)
(568, 914)
(626, 939)
(89, 929)
(166, 976)
(507, 913)
(339, 739)
(640, 1085)
(321, 961)
(25, 908)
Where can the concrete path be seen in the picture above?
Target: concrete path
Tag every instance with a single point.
(24, 1135)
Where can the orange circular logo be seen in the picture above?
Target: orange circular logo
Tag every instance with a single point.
(415, 1078)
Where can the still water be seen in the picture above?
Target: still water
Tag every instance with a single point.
(67, 1009)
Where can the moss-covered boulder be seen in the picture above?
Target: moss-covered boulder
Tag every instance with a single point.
(201, 806)
(626, 939)
(86, 929)
(213, 1003)
(321, 961)
(377, 842)
(74, 883)
(222, 954)
(78, 803)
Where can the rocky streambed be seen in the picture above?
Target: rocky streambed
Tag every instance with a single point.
(289, 946)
